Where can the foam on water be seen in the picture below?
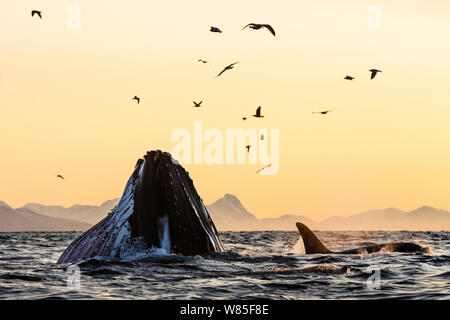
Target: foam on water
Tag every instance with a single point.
(298, 248)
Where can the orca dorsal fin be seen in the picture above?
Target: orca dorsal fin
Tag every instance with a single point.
(311, 242)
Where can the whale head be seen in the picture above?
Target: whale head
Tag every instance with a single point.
(159, 208)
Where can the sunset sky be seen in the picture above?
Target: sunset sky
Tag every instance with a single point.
(66, 108)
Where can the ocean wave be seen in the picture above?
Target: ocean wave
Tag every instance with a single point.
(268, 265)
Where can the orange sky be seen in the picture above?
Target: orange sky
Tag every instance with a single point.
(65, 99)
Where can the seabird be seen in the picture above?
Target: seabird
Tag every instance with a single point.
(197, 105)
(374, 73)
(33, 12)
(60, 176)
(349, 78)
(323, 112)
(214, 29)
(248, 147)
(227, 68)
(258, 171)
(258, 113)
(257, 26)
(201, 60)
(137, 99)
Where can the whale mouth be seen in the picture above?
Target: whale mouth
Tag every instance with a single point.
(164, 190)
(159, 209)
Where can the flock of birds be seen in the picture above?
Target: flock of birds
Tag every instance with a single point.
(255, 26)
(257, 114)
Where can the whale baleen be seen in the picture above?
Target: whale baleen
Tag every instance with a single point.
(314, 245)
(160, 209)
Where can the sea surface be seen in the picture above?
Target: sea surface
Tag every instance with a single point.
(256, 265)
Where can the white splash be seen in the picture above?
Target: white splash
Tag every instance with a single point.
(298, 248)
(164, 235)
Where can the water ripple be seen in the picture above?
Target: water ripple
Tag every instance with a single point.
(256, 265)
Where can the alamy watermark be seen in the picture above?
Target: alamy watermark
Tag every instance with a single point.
(73, 277)
(374, 17)
(374, 280)
(231, 146)
(74, 20)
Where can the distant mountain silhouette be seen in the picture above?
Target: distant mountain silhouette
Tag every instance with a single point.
(23, 219)
(228, 214)
(89, 214)
(228, 211)
(391, 219)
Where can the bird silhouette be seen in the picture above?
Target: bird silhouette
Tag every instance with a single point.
(374, 73)
(258, 26)
(137, 99)
(197, 105)
(258, 113)
(201, 60)
(215, 29)
(248, 147)
(349, 78)
(323, 112)
(60, 176)
(244, 118)
(33, 12)
(229, 67)
(267, 166)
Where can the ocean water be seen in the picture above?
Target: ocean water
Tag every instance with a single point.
(256, 265)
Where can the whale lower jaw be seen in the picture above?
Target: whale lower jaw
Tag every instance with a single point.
(159, 209)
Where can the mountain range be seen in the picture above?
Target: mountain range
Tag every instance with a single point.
(228, 214)
(24, 219)
(89, 214)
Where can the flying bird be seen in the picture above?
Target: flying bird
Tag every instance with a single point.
(374, 73)
(214, 29)
(349, 78)
(201, 60)
(257, 26)
(137, 99)
(197, 105)
(248, 147)
(33, 12)
(323, 112)
(258, 113)
(226, 68)
(60, 176)
(258, 171)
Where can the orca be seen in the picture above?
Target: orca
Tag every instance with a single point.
(314, 245)
(160, 209)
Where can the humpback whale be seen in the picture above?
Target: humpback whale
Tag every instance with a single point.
(314, 245)
(160, 208)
